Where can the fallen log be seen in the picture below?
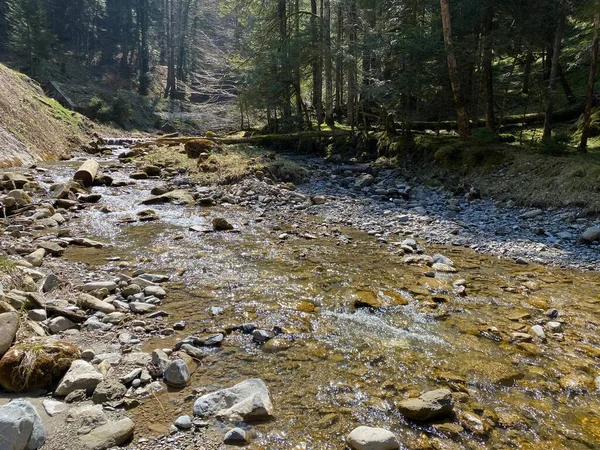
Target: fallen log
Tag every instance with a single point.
(87, 172)
(72, 316)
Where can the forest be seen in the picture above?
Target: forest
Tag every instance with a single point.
(299, 65)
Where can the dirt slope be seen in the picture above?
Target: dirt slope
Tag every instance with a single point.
(34, 127)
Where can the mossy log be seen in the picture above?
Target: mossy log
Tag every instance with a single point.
(87, 172)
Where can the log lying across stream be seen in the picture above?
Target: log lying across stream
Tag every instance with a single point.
(87, 172)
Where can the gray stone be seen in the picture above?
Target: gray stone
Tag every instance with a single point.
(538, 330)
(93, 324)
(262, 336)
(36, 258)
(591, 234)
(86, 301)
(37, 315)
(88, 354)
(50, 283)
(141, 308)
(248, 400)
(21, 427)
(221, 224)
(9, 324)
(87, 417)
(111, 434)
(128, 378)
(81, 375)
(108, 391)
(431, 405)
(54, 407)
(368, 438)
(154, 277)
(531, 214)
(110, 285)
(131, 289)
(184, 423)
(236, 436)
(60, 324)
(555, 327)
(177, 374)
(155, 291)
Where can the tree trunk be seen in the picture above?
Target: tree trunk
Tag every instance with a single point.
(170, 90)
(339, 64)
(352, 63)
(490, 115)
(527, 71)
(142, 17)
(587, 117)
(571, 98)
(328, 63)
(461, 111)
(87, 172)
(317, 65)
(553, 79)
(286, 78)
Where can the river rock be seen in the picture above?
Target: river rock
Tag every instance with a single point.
(21, 427)
(248, 400)
(108, 391)
(81, 375)
(155, 291)
(54, 407)
(236, 436)
(368, 438)
(9, 324)
(50, 283)
(21, 197)
(179, 196)
(109, 285)
(60, 324)
(36, 258)
(590, 235)
(52, 360)
(161, 360)
(131, 289)
(429, 406)
(184, 423)
(531, 214)
(86, 301)
(221, 224)
(37, 315)
(141, 308)
(177, 374)
(111, 434)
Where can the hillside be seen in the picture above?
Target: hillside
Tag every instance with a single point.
(34, 127)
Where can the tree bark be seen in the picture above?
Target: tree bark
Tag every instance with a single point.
(142, 17)
(490, 115)
(328, 63)
(286, 78)
(352, 63)
(461, 110)
(339, 64)
(553, 79)
(317, 64)
(587, 117)
(527, 71)
(87, 172)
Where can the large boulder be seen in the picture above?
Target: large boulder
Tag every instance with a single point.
(368, 438)
(248, 400)
(37, 364)
(590, 235)
(431, 405)
(21, 427)
(9, 324)
(81, 375)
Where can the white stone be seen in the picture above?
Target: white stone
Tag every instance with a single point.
(368, 438)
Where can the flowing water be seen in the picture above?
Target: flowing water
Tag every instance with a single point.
(333, 367)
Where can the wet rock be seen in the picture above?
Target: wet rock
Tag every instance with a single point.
(368, 438)
(179, 196)
(521, 337)
(141, 308)
(248, 400)
(51, 248)
(444, 268)
(177, 374)
(431, 405)
(555, 327)
(531, 214)
(107, 391)
(221, 224)
(51, 361)
(577, 383)
(60, 324)
(9, 324)
(236, 436)
(538, 331)
(111, 434)
(262, 336)
(364, 180)
(441, 259)
(89, 198)
(81, 375)
(184, 423)
(21, 426)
